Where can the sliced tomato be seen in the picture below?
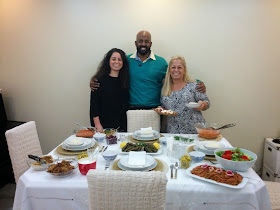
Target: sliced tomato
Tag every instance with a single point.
(226, 156)
(228, 152)
(244, 157)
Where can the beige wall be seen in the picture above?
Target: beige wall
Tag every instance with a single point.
(50, 49)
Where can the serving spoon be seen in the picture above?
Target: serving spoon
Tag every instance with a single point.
(224, 126)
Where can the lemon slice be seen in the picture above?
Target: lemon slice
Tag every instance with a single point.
(123, 145)
(156, 145)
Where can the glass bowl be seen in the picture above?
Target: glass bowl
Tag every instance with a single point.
(206, 131)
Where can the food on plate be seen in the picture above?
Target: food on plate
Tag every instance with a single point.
(148, 147)
(234, 155)
(85, 133)
(217, 174)
(163, 111)
(185, 161)
(82, 155)
(123, 145)
(47, 158)
(62, 166)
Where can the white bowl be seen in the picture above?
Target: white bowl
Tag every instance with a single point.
(99, 136)
(197, 156)
(236, 165)
(109, 155)
(163, 140)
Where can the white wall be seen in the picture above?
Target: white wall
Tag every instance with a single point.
(50, 49)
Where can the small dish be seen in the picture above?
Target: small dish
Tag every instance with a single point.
(197, 156)
(109, 155)
(193, 105)
(163, 140)
(99, 137)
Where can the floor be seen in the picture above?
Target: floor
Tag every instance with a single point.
(7, 194)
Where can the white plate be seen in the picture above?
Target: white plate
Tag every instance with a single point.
(87, 142)
(136, 135)
(196, 105)
(201, 146)
(137, 169)
(206, 152)
(149, 162)
(240, 185)
(148, 153)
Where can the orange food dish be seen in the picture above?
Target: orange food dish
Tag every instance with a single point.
(208, 133)
(85, 133)
(217, 174)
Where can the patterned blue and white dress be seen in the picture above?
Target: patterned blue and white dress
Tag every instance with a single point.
(184, 122)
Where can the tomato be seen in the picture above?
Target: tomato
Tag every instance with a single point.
(226, 156)
(228, 152)
(244, 157)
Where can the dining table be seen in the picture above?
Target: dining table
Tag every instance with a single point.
(40, 190)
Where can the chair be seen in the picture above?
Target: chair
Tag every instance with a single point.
(22, 141)
(274, 192)
(126, 190)
(137, 119)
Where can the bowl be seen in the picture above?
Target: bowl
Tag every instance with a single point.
(84, 133)
(163, 140)
(99, 137)
(109, 155)
(60, 166)
(235, 165)
(37, 166)
(197, 156)
(85, 164)
(206, 131)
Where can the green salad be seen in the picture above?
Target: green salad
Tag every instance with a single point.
(234, 155)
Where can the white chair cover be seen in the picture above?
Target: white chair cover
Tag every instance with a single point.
(22, 141)
(274, 193)
(126, 190)
(137, 119)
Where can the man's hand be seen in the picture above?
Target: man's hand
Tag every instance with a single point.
(94, 84)
(201, 87)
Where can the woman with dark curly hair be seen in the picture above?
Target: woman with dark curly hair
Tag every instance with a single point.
(109, 103)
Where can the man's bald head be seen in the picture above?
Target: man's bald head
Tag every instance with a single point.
(144, 33)
(143, 43)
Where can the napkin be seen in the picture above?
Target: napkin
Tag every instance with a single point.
(137, 158)
(146, 132)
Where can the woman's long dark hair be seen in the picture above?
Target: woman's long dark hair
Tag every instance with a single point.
(104, 67)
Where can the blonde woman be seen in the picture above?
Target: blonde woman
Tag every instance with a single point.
(179, 89)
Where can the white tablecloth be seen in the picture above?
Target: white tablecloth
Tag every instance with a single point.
(39, 190)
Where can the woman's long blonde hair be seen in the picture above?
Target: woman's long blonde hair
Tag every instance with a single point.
(167, 86)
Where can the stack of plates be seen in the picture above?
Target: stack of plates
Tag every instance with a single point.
(200, 146)
(137, 135)
(151, 163)
(74, 143)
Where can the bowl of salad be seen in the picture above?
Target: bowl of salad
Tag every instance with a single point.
(235, 159)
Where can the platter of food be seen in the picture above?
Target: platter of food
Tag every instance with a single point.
(217, 175)
(167, 112)
(150, 148)
(62, 168)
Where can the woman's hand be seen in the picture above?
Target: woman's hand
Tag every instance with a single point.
(94, 84)
(201, 87)
(203, 106)
(99, 128)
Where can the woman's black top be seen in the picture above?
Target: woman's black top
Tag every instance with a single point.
(110, 103)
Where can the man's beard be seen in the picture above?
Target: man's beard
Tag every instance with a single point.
(143, 52)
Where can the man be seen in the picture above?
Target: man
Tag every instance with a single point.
(146, 71)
